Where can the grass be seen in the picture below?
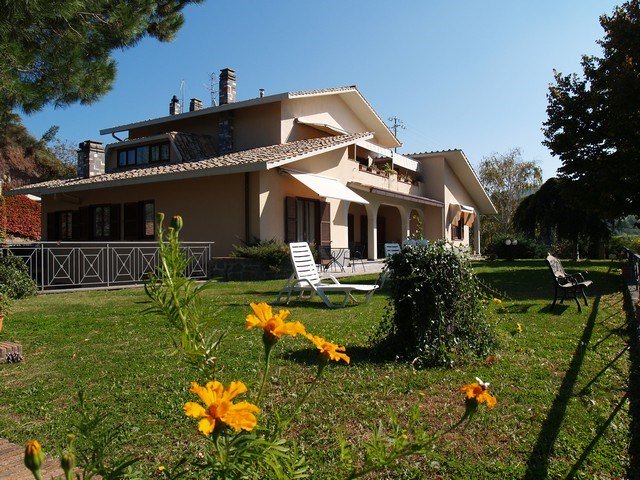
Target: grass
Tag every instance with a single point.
(560, 384)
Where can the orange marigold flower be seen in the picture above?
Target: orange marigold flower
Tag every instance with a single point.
(220, 411)
(479, 393)
(274, 325)
(328, 350)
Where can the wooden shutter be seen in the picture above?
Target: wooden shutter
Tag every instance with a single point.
(76, 230)
(85, 224)
(364, 230)
(52, 223)
(325, 223)
(131, 221)
(115, 222)
(351, 229)
(290, 220)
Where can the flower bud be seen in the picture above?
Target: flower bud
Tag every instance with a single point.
(159, 217)
(176, 223)
(68, 464)
(34, 457)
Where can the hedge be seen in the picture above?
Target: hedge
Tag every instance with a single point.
(21, 216)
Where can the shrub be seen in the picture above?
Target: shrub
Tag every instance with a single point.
(525, 248)
(15, 280)
(435, 313)
(618, 243)
(271, 253)
(21, 217)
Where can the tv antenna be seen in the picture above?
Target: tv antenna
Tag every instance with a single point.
(213, 78)
(183, 87)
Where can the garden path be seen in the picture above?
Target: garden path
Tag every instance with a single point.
(12, 463)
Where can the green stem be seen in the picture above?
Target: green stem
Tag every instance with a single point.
(265, 374)
(305, 396)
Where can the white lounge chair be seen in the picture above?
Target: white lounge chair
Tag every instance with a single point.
(305, 278)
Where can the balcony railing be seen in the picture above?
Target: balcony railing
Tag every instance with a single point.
(77, 265)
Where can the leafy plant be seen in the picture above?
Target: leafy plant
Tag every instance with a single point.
(5, 304)
(15, 280)
(523, 248)
(435, 313)
(272, 254)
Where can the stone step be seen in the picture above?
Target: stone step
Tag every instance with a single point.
(12, 463)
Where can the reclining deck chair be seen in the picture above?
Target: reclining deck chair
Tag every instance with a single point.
(305, 278)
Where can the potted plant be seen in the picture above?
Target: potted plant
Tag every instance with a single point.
(5, 307)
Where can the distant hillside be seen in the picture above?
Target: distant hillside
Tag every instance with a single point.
(25, 159)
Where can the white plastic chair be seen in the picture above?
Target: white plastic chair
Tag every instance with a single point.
(305, 278)
(391, 249)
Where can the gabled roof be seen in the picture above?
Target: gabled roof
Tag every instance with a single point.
(350, 94)
(261, 158)
(460, 165)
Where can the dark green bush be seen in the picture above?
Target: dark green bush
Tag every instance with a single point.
(15, 280)
(436, 313)
(271, 253)
(525, 248)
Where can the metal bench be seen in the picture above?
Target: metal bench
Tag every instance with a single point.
(566, 283)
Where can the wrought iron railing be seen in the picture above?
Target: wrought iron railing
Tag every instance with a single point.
(634, 265)
(73, 265)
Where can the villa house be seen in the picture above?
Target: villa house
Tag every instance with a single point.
(313, 165)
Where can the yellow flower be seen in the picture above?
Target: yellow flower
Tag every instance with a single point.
(328, 350)
(161, 468)
(220, 411)
(274, 325)
(519, 326)
(478, 393)
(496, 300)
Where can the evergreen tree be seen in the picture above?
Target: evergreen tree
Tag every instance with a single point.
(593, 121)
(59, 51)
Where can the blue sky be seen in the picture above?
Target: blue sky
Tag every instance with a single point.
(460, 74)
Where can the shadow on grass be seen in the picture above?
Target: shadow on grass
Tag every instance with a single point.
(357, 354)
(516, 308)
(559, 309)
(538, 461)
(634, 394)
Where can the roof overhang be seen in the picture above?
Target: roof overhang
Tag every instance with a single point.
(326, 187)
(457, 160)
(397, 195)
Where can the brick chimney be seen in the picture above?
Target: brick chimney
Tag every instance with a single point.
(227, 86)
(174, 106)
(90, 159)
(195, 104)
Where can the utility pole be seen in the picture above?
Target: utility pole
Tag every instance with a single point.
(396, 124)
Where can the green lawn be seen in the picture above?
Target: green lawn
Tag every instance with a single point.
(557, 383)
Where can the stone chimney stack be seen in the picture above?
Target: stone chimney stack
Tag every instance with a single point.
(227, 86)
(90, 159)
(174, 106)
(195, 104)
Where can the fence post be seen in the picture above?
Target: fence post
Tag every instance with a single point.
(108, 269)
(42, 267)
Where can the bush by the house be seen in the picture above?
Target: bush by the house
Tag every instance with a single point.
(20, 216)
(15, 280)
(271, 253)
(524, 248)
(436, 315)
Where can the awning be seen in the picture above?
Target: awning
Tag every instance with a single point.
(457, 210)
(327, 187)
(322, 122)
(398, 195)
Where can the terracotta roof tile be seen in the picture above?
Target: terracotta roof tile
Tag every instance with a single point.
(189, 145)
(319, 91)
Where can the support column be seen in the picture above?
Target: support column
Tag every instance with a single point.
(372, 233)
(405, 214)
(476, 230)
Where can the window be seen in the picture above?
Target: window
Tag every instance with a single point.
(148, 219)
(101, 222)
(457, 230)
(65, 225)
(144, 154)
(306, 220)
